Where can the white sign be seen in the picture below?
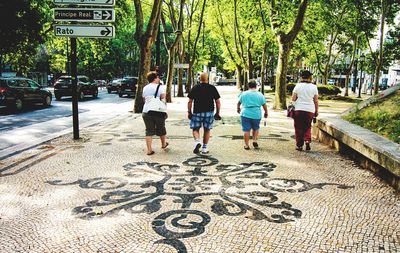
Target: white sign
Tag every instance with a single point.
(181, 65)
(84, 15)
(85, 31)
(86, 2)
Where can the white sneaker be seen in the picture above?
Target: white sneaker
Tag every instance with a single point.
(204, 151)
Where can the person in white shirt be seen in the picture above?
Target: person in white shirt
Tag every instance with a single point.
(155, 123)
(305, 97)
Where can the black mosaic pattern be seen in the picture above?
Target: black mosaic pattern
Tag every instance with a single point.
(245, 189)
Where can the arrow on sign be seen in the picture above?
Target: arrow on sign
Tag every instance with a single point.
(105, 32)
(107, 15)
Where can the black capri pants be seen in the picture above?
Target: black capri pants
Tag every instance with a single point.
(155, 125)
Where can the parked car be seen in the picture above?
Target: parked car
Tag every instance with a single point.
(100, 83)
(128, 86)
(331, 81)
(113, 85)
(63, 87)
(17, 92)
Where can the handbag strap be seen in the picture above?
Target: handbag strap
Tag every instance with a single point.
(158, 86)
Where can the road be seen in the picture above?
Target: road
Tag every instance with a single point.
(19, 131)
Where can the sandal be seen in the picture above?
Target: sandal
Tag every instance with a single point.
(151, 153)
(255, 145)
(166, 145)
(246, 147)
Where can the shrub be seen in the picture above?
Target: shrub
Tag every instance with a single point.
(328, 90)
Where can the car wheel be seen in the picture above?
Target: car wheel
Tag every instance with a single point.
(120, 95)
(95, 94)
(18, 104)
(81, 95)
(109, 91)
(47, 101)
(58, 97)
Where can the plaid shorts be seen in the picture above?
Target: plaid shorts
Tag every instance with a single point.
(202, 119)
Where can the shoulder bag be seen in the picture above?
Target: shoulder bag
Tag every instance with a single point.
(156, 107)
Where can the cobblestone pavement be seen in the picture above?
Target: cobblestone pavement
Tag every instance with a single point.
(103, 194)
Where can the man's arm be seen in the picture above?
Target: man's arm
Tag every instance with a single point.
(218, 106)
(189, 106)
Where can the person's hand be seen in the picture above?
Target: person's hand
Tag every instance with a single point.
(265, 114)
(217, 117)
(238, 110)
(190, 115)
(316, 114)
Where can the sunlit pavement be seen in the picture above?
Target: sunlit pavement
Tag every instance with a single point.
(104, 194)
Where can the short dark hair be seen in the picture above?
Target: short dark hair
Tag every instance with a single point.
(305, 74)
(151, 76)
(252, 84)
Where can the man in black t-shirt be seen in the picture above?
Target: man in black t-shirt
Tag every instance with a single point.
(203, 95)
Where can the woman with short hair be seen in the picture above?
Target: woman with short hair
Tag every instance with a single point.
(305, 97)
(250, 115)
(155, 124)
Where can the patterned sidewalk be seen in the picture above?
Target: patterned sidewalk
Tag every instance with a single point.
(103, 194)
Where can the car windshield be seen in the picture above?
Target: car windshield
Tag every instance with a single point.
(65, 80)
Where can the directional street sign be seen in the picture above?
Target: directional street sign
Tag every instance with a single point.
(85, 31)
(86, 2)
(181, 65)
(84, 15)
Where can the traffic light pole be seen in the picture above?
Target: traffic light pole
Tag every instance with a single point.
(75, 118)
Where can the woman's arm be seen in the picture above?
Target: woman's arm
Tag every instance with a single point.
(265, 110)
(238, 107)
(294, 96)
(316, 105)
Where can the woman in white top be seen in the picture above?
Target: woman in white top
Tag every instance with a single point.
(155, 124)
(305, 97)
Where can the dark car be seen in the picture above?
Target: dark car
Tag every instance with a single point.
(63, 87)
(128, 86)
(16, 92)
(113, 85)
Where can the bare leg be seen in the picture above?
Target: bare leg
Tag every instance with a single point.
(255, 135)
(149, 140)
(246, 138)
(163, 139)
(206, 136)
(196, 134)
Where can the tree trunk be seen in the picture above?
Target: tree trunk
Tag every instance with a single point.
(325, 76)
(239, 77)
(1, 65)
(380, 59)
(263, 68)
(281, 72)
(170, 73)
(181, 56)
(189, 79)
(144, 68)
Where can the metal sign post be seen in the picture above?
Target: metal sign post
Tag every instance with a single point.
(75, 30)
(75, 119)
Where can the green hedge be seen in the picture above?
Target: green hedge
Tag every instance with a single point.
(322, 89)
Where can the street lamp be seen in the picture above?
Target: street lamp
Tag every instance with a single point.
(361, 75)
